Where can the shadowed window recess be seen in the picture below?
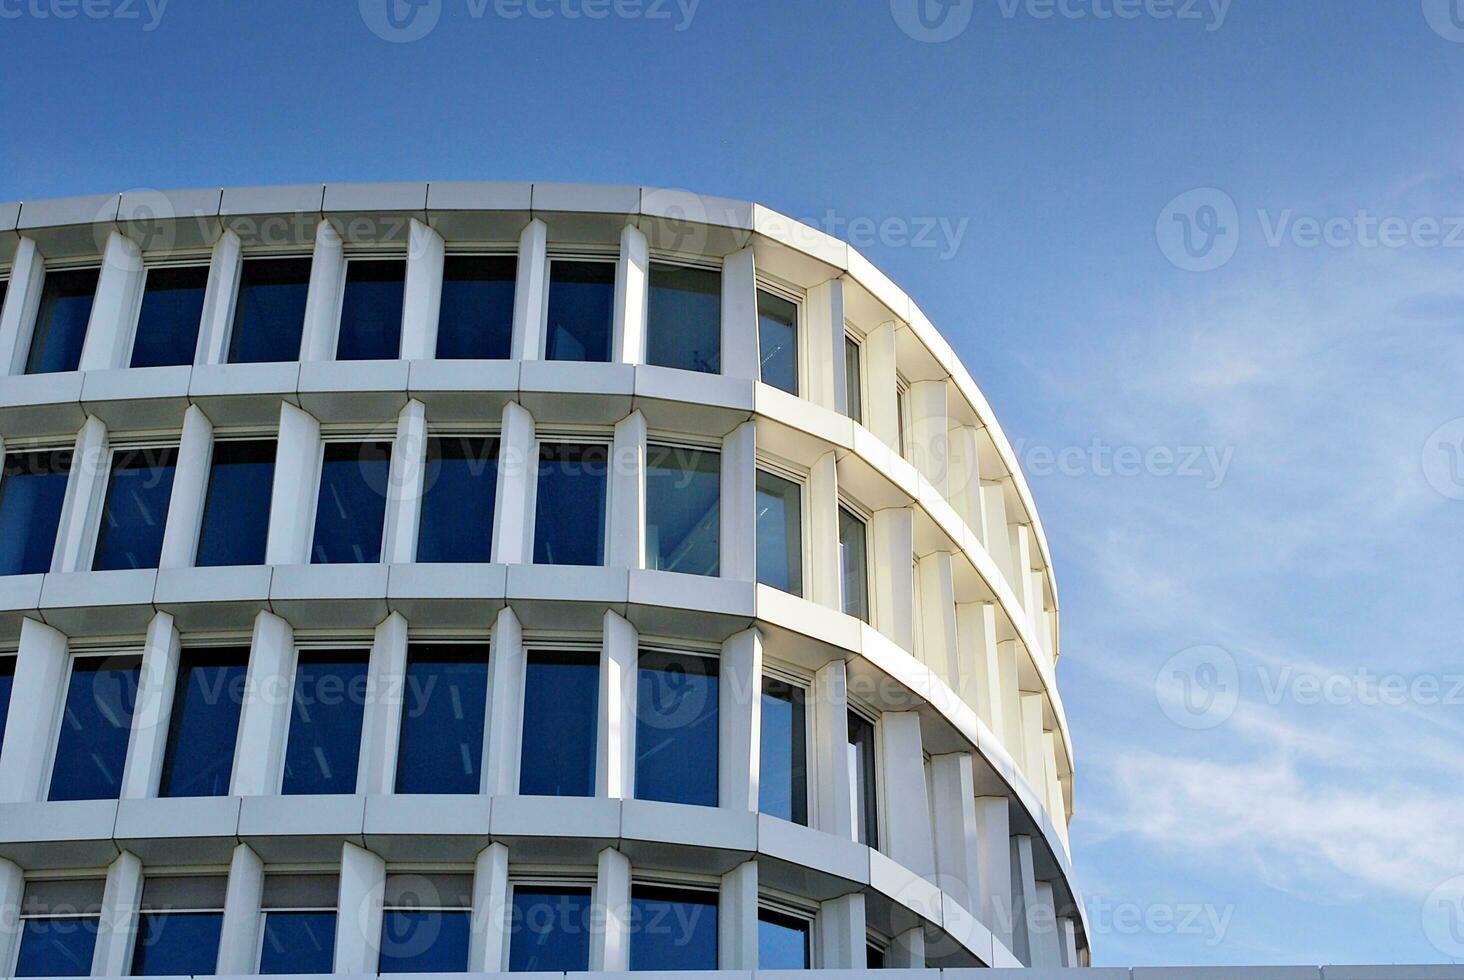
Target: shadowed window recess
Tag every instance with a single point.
(561, 705)
(351, 509)
(58, 927)
(854, 379)
(459, 489)
(863, 801)
(569, 511)
(299, 912)
(324, 744)
(779, 533)
(676, 735)
(96, 724)
(684, 318)
(777, 341)
(60, 329)
(676, 929)
(683, 510)
(7, 683)
(853, 565)
(172, 309)
(32, 492)
(475, 319)
(135, 512)
(269, 314)
(371, 310)
(199, 757)
(236, 509)
(784, 942)
(549, 930)
(783, 781)
(178, 926)
(425, 923)
(440, 749)
(580, 310)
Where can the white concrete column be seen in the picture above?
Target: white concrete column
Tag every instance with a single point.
(504, 730)
(239, 934)
(981, 680)
(190, 491)
(881, 396)
(619, 659)
(22, 303)
(953, 797)
(739, 501)
(518, 467)
(1024, 896)
(628, 493)
(1034, 765)
(220, 297)
(929, 444)
(833, 807)
(737, 919)
(381, 720)
(907, 951)
(31, 724)
(739, 723)
(1042, 929)
(264, 716)
(938, 645)
(121, 898)
(296, 475)
(994, 866)
(610, 945)
(892, 582)
(531, 293)
(82, 509)
(115, 307)
(1068, 935)
(422, 292)
(963, 476)
(358, 911)
(488, 944)
(908, 838)
(1020, 578)
(12, 894)
(161, 652)
(632, 295)
(1011, 700)
(843, 938)
(323, 303)
(824, 568)
(823, 320)
(998, 540)
(1056, 807)
(740, 358)
(404, 486)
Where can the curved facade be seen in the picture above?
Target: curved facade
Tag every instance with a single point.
(487, 577)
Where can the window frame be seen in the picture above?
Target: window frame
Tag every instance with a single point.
(546, 877)
(366, 254)
(862, 514)
(786, 471)
(88, 652)
(853, 336)
(799, 298)
(902, 416)
(570, 435)
(240, 434)
(793, 677)
(678, 648)
(483, 640)
(183, 260)
(686, 443)
(124, 444)
(318, 871)
(352, 435)
(226, 345)
(89, 264)
(791, 907)
(534, 642)
(609, 255)
(33, 447)
(191, 871)
(206, 645)
(483, 252)
(686, 261)
(871, 716)
(13, 961)
(683, 882)
(423, 870)
(455, 430)
(343, 642)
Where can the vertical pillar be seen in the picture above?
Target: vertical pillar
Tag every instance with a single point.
(1033, 750)
(825, 585)
(953, 794)
(737, 919)
(963, 476)
(907, 951)
(994, 866)
(81, 511)
(239, 934)
(161, 651)
(632, 285)
(1011, 700)
(929, 443)
(121, 897)
(323, 303)
(422, 292)
(1056, 805)
(404, 486)
(1042, 929)
(619, 656)
(908, 839)
(386, 673)
(505, 715)
(998, 540)
(358, 910)
(739, 721)
(823, 317)
(610, 946)
(219, 299)
(1068, 934)
(35, 699)
(739, 501)
(881, 397)
(981, 681)
(740, 357)
(22, 303)
(1020, 577)
(264, 716)
(1024, 896)
(531, 291)
(115, 307)
(939, 646)
(190, 490)
(628, 493)
(842, 934)
(12, 894)
(513, 529)
(833, 804)
(292, 503)
(488, 945)
(892, 586)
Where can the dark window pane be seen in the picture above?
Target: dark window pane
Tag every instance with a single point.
(853, 380)
(7, 681)
(441, 745)
(862, 776)
(683, 512)
(783, 782)
(269, 316)
(200, 752)
(854, 565)
(236, 510)
(136, 509)
(66, 304)
(672, 930)
(297, 943)
(777, 341)
(59, 947)
(676, 729)
(371, 313)
(476, 319)
(424, 941)
(352, 506)
(684, 322)
(581, 302)
(459, 489)
(95, 726)
(569, 514)
(561, 706)
(874, 957)
(174, 944)
(32, 490)
(172, 308)
(779, 533)
(782, 942)
(550, 930)
(325, 723)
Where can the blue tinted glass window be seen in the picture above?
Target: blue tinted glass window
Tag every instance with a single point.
(324, 744)
(777, 341)
(861, 769)
(782, 942)
(853, 379)
(176, 944)
(581, 307)
(684, 318)
(569, 513)
(66, 304)
(95, 727)
(779, 533)
(57, 947)
(676, 729)
(32, 490)
(269, 315)
(371, 313)
(136, 509)
(673, 930)
(424, 941)
(783, 781)
(561, 707)
(458, 493)
(297, 943)
(550, 930)
(7, 681)
(440, 749)
(172, 309)
(351, 509)
(853, 565)
(476, 319)
(199, 756)
(236, 509)
(683, 510)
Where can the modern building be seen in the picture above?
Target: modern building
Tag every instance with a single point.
(502, 577)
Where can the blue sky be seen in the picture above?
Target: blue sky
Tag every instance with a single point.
(1244, 470)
